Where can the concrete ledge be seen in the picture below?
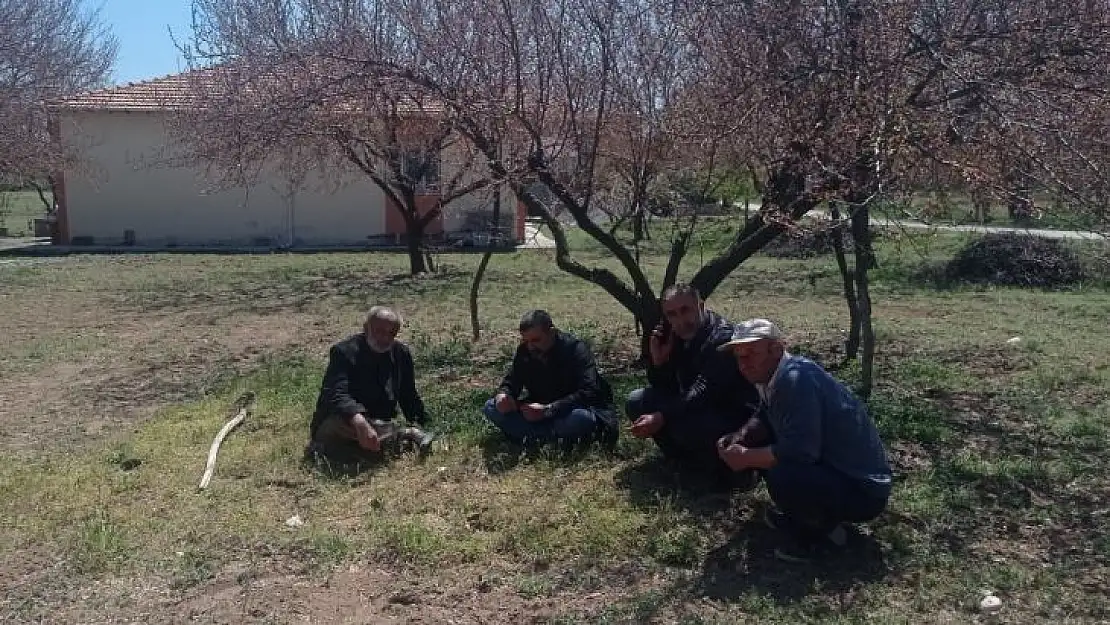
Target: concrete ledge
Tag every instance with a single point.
(44, 248)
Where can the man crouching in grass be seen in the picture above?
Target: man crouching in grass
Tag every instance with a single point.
(368, 375)
(822, 458)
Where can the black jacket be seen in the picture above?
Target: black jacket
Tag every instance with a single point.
(360, 380)
(567, 378)
(700, 378)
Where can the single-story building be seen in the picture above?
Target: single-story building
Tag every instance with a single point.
(122, 191)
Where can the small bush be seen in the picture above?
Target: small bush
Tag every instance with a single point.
(809, 242)
(1008, 259)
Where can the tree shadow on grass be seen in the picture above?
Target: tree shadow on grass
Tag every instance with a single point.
(746, 564)
(500, 455)
(654, 480)
(345, 462)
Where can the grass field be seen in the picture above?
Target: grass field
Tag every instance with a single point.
(957, 208)
(118, 371)
(17, 209)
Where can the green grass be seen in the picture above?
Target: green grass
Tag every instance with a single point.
(1000, 452)
(957, 208)
(17, 208)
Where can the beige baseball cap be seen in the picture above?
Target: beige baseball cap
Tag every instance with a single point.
(752, 330)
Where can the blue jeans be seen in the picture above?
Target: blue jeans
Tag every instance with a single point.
(816, 498)
(571, 426)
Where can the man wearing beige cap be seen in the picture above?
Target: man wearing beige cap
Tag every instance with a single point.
(821, 456)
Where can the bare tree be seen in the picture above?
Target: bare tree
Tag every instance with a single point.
(285, 85)
(558, 80)
(48, 49)
(873, 95)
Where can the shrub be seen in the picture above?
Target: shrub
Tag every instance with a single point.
(1009, 259)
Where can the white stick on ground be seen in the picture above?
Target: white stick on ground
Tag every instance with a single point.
(244, 405)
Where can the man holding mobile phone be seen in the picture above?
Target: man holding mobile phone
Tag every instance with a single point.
(695, 394)
(553, 390)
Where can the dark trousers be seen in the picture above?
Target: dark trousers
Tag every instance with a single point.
(691, 441)
(816, 498)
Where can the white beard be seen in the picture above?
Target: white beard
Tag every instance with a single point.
(376, 348)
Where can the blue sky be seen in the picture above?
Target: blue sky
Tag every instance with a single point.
(146, 49)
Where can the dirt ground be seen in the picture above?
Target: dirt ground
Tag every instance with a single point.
(83, 364)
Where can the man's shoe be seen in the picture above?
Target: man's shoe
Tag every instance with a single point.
(798, 553)
(774, 518)
(424, 442)
(777, 520)
(418, 438)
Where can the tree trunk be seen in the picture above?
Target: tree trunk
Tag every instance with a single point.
(861, 233)
(414, 231)
(475, 325)
(476, 284)
(786, 191)
(638, 226)
(851, 346)
(647, 319)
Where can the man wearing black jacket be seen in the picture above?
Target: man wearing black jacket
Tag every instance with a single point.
(694, 395)
(368, 376)
(553, 391)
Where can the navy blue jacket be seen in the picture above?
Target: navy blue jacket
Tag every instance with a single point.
(817, 420)
(701, 379)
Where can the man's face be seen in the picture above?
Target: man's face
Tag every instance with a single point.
(684, 313)
(758, 360)
(381, 334)
(538, 340)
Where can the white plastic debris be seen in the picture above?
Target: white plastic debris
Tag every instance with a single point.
(294, 521)
(442, 469)
(1014, 341)
(990, 604)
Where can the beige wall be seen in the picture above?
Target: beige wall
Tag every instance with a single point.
(457, 156)
(121, 186)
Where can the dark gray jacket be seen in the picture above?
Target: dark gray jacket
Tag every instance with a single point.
(566, 378)
(359, 380)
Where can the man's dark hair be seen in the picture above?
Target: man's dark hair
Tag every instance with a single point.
(536, 319)
(680, 288)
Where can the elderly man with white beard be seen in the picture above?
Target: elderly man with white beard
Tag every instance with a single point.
(368, 375)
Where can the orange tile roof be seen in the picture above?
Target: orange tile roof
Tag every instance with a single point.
(178, 91)
(167, 92)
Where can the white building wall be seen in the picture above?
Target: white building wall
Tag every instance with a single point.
(121, 187)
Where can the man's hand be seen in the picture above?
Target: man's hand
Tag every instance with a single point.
(753, 434)
(660, 347)
(367, 436)
(647, 425)
(733, 438)
(734, 455)
(504, 403)
(533, 412)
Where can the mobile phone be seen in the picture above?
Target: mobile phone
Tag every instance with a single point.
(664, 329)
